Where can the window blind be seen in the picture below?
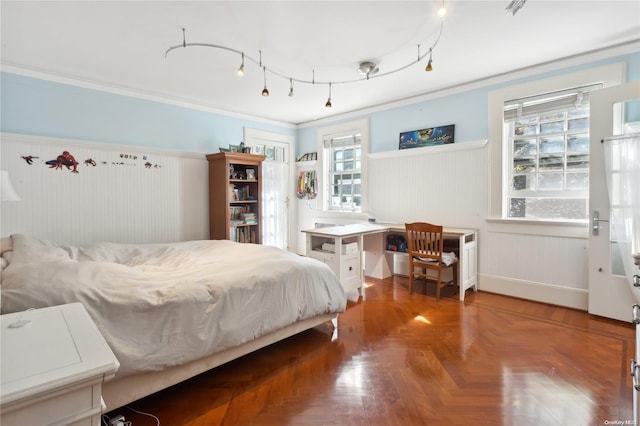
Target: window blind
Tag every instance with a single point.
(548, 103)
(342, 141)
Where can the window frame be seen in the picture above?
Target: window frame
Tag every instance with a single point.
(336, 131)
(498, 220)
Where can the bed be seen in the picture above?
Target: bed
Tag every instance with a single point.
(172, 311)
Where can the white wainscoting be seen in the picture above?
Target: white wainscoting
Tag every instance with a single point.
(119, 199)
(444, 184)
(449, 185)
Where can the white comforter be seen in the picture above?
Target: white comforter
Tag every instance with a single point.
(159, 305)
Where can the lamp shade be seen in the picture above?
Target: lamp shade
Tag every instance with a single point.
(7, 193)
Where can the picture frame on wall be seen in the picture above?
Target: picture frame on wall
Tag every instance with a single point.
(427, 137)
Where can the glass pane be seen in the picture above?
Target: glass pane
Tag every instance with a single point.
(335, 202)
(357, 201)
(549, 208)
(578, 123)
(357, 189)
(524, 121)
(578, 112)
(522, 182)
(578, 143)
(553, 117)
(338, 155)
(525, 130)
(578, 161)
(348, 165)
(578, 181)
(550, 182)
(524, 165)
(338, 167)
(523, 147)
(552, 127)
(348, 153)
(335, 190)
(551, 162)
(552, 145)
(517, 207)
(617, 264)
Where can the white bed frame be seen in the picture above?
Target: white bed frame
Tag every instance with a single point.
(121, 391)
(118, 392)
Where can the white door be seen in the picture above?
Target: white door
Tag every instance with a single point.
(609, 292)
(277, 171)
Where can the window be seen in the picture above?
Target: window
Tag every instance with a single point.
(343, 150)
(548, 155)
(345, 173)
(538, 155)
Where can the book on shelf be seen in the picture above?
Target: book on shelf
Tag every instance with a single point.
(242, 234)
(249, 218)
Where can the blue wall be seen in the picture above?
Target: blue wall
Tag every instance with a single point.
(39, 107)
(467, 110)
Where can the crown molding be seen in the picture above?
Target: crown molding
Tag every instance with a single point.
(551, 66)
(130, 92)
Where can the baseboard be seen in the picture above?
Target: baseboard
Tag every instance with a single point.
(553, 294)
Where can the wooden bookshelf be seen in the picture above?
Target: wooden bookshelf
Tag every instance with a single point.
(234, 194)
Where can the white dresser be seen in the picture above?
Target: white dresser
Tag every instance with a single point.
(54, 361)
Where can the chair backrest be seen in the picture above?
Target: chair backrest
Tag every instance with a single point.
(424, 240)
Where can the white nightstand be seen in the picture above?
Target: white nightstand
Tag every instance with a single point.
(53, 367)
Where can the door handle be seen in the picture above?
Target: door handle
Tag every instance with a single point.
(596, 222)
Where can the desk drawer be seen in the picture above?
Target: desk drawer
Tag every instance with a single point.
(350, 269)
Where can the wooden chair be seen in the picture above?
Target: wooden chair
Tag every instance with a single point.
(425, 244)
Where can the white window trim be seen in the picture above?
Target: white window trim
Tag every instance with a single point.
(608, 75)
(361, 126)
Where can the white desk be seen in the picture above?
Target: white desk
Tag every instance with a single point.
(53, 368)
(347, 266)
(372, 258)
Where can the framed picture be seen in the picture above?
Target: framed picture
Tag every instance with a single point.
(427, 137)
(233, 148)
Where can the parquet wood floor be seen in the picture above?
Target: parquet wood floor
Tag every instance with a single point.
(405, 359)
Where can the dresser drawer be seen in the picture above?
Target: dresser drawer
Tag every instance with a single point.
(79, 405)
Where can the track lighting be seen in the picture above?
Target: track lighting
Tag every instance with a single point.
(265, 92)
(241, 69)
(442, 10)
(515, 6)
(367, 69)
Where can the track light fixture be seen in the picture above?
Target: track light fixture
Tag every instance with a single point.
(241, 69)
(367, 69)
(443, 10)
(265, 92)
(515, 6)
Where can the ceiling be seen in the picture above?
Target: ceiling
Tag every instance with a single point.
(122, 45)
